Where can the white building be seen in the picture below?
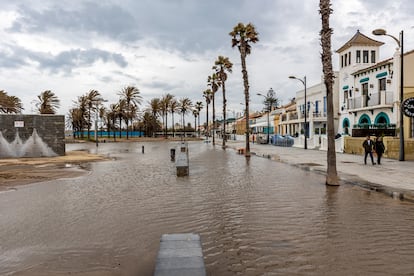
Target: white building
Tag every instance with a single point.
(368, 94)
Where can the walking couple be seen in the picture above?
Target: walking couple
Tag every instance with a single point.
(370, 147)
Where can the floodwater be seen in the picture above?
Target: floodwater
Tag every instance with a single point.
(255, 218)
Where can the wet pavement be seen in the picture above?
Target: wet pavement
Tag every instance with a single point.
(254, 217)
(392, 177)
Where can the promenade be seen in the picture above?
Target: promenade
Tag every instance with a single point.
(394, 178)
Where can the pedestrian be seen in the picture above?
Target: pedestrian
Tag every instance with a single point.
(379, 148)
(368, 146)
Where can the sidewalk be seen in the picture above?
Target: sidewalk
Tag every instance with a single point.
(392, 177)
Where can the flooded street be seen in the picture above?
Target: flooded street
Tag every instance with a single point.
(254, 218)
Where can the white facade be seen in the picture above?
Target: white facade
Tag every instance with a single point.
(367, 88)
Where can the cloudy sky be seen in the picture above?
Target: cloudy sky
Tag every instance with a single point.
(169, 46)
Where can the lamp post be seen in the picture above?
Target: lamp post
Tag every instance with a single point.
(400, 43)
(306, 126)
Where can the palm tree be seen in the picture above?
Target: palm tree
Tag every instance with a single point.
(185, 106)
(207, 96)
(120, 113)
(195, 114)
(132, 98)
(222, 66)
(112, 115)
(214, 83)
(9, 104)
(165, 103)
(173, 108)
(76, 121)
(155, 106)
(198, 107)
(242, 35)
(82, 109)
(47, 102)
(326, 33)
(93, 97)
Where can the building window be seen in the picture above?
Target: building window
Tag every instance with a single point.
(342, 61)
(349, 58)
(365, 93)
(324, 104)
(372, 56)
(358, 56)
(365, 56)
(382, 84)
(316, 107)
(346, 59)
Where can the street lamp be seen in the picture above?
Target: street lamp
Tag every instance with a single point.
(400, 43)
(306, 126)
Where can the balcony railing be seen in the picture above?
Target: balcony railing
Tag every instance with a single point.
(375, 99)
(375, 126)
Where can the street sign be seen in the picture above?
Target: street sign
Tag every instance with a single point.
(408, 107)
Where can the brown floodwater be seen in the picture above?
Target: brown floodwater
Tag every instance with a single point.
(255, 218)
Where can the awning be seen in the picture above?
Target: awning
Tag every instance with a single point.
(345, 87)
(380, 75)
(364, 80)
(261, 124)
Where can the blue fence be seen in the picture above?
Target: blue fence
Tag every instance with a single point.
(111, 133)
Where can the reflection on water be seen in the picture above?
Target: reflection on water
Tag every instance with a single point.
(255, 218)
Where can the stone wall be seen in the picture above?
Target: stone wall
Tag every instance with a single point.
(392, 146)
(32, 135)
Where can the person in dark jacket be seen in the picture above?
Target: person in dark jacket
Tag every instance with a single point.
(379, 148)
(368, 146)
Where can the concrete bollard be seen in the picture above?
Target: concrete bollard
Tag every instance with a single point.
(182, 162)
(172, 154)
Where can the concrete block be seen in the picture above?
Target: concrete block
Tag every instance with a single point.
(180, 254)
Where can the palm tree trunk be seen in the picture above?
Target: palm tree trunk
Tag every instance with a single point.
(183, 125)
(246, 96)
(224, 115)
(207, 132)
(214, 118)
(166, 122)
(172, 120)
(326, 33)
(199, 125)
(89, 124)
(120, 127)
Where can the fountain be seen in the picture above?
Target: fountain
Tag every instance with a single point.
(34, 146)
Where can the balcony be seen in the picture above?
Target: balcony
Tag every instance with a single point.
(380, 99)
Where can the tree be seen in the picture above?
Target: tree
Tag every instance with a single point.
(9, 104)
(326, 33)
(242, 35)
(207, 96)
(92, 98)
(195, 114)
(185, 106)
(133, 99)
(165, 103)
(222, 66)
(198, 107)
(81, 106)
(214, 83)
(173, 108)
(47, 102)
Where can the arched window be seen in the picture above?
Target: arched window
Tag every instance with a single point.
(382, 119)
(345, 125)
(364, 120)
